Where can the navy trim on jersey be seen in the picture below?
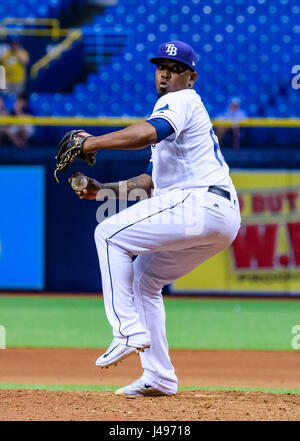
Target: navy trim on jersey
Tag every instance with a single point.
(149, 169)
(162, 126)
(166, 118)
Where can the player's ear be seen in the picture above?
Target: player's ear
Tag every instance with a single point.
(193, 78)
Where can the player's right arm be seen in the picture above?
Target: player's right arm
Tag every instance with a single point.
(121, 189)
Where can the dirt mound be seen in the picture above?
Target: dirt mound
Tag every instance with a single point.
(194, 369)
(42, 405)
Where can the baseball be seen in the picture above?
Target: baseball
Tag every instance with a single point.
(78, 183)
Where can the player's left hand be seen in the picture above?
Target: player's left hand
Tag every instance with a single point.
(69, 148)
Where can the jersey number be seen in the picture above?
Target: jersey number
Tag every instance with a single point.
(217, 149)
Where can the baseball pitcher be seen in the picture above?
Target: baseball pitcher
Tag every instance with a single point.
(192, 214)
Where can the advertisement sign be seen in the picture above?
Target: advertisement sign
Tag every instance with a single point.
(21, 227)
(265, 256)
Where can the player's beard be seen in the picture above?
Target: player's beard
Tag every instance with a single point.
(162, 93)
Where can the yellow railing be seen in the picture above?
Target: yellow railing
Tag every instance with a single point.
(259, 122)
(68, 121)
(110, 122)
(55, 53)
(52, 27)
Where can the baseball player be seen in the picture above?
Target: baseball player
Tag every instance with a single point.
(192, 214)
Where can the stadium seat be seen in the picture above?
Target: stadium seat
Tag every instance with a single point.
(244, 48)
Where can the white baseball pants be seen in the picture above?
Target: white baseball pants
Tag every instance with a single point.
(171, 234)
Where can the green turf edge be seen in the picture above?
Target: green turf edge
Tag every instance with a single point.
(91, 387)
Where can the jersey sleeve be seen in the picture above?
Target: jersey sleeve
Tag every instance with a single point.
(173, 108)
(162, 126)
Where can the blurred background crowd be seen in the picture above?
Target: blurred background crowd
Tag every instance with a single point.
(89, 58)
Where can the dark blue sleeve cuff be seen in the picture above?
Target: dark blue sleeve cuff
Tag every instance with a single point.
(163, 128)
(149, 169)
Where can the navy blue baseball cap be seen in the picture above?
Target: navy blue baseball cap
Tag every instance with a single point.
(176, 50)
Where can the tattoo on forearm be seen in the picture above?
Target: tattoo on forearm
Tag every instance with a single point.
(133, 188)
(143, 182)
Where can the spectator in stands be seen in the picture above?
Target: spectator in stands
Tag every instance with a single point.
(235, 114)
(15, 61)
(19, 135)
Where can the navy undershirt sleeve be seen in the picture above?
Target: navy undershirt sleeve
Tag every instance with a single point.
(149, 169)
(163, 128)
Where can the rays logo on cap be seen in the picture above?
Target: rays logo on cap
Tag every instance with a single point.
(171, 49)
(176, 50)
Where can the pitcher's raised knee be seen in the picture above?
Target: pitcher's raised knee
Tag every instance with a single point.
(101, 232)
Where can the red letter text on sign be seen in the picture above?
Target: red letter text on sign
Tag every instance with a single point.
(294, 232)
(255, 244)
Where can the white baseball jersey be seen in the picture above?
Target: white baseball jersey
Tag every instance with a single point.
(158, 231)
(191, 156)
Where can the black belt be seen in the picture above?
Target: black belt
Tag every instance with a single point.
(219, 191)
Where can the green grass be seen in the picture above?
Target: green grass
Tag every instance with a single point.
(66, 321)
(88, 387)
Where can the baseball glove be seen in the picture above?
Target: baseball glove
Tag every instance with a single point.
(69, 148)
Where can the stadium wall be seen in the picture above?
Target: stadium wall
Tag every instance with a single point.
(46, 232)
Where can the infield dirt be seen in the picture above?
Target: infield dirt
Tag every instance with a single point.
(253, 369)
